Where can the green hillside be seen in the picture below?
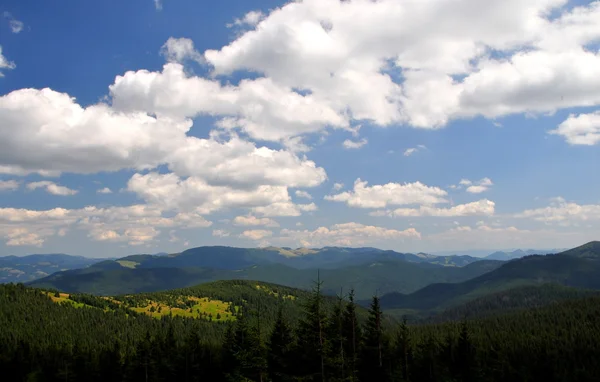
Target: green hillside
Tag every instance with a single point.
(77, 337)
(111, 278)
(579, 268)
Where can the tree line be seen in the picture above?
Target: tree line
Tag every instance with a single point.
(323, 341)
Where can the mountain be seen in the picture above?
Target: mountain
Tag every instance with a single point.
(519, 253)
(511, 300)
(27, 268)
(221, 257)
(578, 267)
(143, 274)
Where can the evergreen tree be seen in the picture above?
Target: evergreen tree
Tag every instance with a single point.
(352, 337)
(403, 352)
(312, 343)
(336, 356)
(280, 350)
(372, 360)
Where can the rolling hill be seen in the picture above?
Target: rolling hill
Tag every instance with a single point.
(27, 268)
(578, 267)
(111, 278)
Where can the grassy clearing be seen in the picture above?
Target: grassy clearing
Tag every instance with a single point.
(128, 264)
(273, 293)
(64, 299)
(203, 308)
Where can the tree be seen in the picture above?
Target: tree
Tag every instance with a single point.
(312, 343)
(280, 350)
(372, 361)
(352, 337)
(403, 351)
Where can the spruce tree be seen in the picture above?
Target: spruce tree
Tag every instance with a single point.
(312, 342)
(372, 360)
(352, 337)
(280, 350)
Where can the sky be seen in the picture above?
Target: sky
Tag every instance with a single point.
(149, 126)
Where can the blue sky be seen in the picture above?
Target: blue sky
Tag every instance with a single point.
(127, 127)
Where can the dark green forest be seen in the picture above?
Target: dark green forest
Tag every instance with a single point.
(275, 337)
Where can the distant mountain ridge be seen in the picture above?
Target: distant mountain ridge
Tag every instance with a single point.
(578, 267)
(368, 270)
(27, 268)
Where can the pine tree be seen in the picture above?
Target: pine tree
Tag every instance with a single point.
(280, 350)
(312, 343)
(336, 356)
(352, 337)
(403, 351)
(465, 354)
(372, 362)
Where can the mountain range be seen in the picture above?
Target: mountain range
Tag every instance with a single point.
(578, 267)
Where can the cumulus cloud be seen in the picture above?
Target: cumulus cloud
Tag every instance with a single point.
(349, 144)
(474, 187)
(582, 129)
(180, 49)
(250, 220)
(136, 224)
(563, 212)
(52, 188)
(9, 185)
(338, 186)
(158, 5)
(514, 59)
(251, 19)
(104, 190)
(256, 234)
(303, 194)
(261, 107)
(380, 196)
(220, 233)
(480, 208)
(346, 234)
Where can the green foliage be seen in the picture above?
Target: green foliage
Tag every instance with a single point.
(309, 338)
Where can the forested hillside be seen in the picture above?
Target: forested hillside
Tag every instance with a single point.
(579, 267)
(110, 278)
(44, 340)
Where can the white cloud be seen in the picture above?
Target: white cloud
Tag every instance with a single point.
(349, 144)
(250, 220)
(479, 208)
(15, 25)
(582, 129)
(380, 196)
(256, 234)
(251, 19)
(9, 185)
(476, 187)
(563, 212)
(303, 194)
(284, 209)
(104, 190)
(5, 63)
(52, 188)
(539, 64)
(338, 186)
(346, 234)
(220, 233)
(410, 151)
(158, 5)
(261, 107)
(180, 49)
(134, 224)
